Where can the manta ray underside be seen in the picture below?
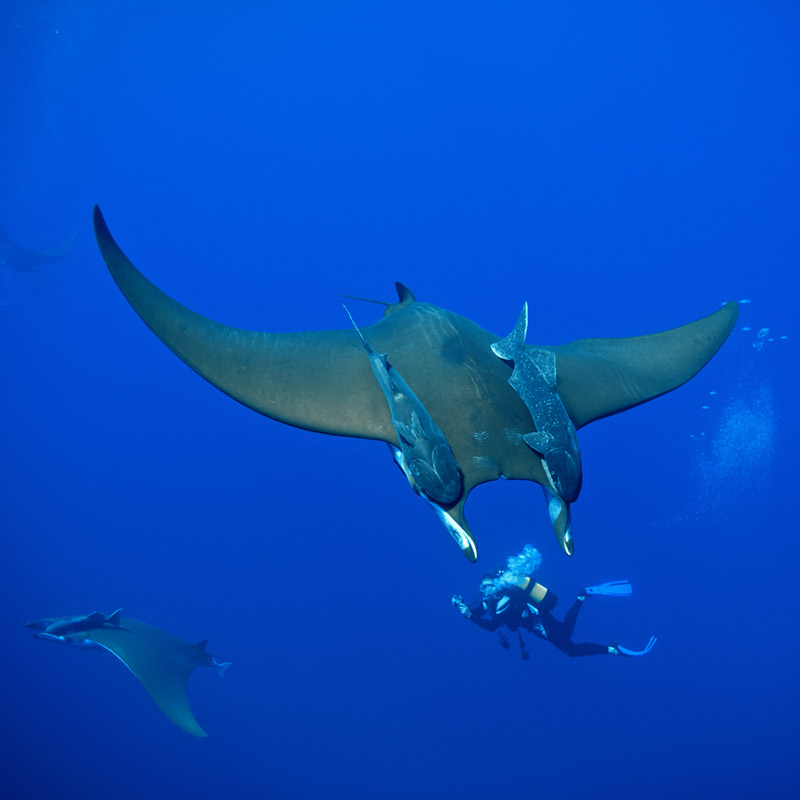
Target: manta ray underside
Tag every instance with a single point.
(506, 409)
(162, 662)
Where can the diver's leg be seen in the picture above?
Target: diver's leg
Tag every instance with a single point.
(559, 635)
(572, 615)
(590, 649)
(556, 633)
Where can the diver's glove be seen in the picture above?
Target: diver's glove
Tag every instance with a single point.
(459, 603)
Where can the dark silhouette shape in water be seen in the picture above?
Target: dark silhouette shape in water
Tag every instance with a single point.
(478, 389)
(21, 260)
(162, 662)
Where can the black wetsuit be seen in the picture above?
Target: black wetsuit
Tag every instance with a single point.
(516, 609)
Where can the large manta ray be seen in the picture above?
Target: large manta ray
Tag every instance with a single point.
(457, 405)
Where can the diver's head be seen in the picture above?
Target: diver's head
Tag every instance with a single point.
(489, 585)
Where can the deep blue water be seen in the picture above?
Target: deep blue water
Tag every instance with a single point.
(622, 167)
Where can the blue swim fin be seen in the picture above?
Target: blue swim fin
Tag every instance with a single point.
(615, 588)
(623, 651)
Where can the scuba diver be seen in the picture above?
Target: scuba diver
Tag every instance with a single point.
(513, 599)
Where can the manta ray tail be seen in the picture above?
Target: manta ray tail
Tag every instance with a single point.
(358, 330)
(404, 296)
(364, 300)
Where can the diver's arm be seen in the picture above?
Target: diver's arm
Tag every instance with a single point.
(490, 624)
(476, 612)
(482, 617)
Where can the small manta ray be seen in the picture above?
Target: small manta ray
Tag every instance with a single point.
(162, 662)
(21, 260)
(457, 405)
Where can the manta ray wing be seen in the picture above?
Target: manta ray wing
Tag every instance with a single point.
(316, 380)
(162, 663)
(22, 260)
(600, 377)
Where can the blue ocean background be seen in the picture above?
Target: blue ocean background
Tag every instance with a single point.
(623, 167)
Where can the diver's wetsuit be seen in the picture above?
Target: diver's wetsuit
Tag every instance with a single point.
(515, 609)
